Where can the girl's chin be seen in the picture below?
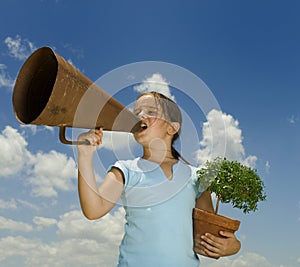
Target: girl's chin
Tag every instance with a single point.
(140, 138)
(139, 133)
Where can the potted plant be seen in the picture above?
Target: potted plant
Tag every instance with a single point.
(232, 183)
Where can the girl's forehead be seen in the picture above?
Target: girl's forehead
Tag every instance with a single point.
(146, 100)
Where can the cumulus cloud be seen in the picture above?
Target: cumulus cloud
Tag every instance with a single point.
(19, 48)
(10, 204)
(293, 119)
(267, 167)
(73, 224)
(157, 83)
(51, 172)
(43, 222)
(34, 128)
(82, 242)
(8, 224)
(248, 259)
(5, 79)
(29, 205)
(71, 252)
(222, 137)
(46, 173)
(11, 246)
(14, 154)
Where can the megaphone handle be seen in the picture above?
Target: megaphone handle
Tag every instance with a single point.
(62, 138)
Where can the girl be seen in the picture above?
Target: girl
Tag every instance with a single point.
(158, 190)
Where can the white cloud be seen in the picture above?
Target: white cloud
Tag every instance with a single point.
(13, 246)
(43, 222)
(293, 119)
(51, 172)
(82, 242)
(249, 161)
(34, 128)
(109, 229)
(222, 137)
(8, 224)
(47, 173)
(11, 204)
(29, 205)
(267, 167)
(13, 152)
(157, 83)
(72, 63)
(248, 259)
(5, 79)
(20, 246)
(19, 48)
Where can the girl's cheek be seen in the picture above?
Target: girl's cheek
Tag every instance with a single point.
(152, 120)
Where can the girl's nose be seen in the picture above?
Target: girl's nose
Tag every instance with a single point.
(142, 114)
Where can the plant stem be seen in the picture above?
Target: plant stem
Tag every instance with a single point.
(217, 205)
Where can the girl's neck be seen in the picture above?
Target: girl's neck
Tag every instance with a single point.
(158, 155)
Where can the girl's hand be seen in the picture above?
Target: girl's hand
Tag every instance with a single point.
(217, 247)
(94, 137)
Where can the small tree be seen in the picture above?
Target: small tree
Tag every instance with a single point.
(232, 183)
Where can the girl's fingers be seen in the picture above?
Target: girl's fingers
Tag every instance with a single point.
(222, 246)
(94, 136)
(211, 239)
(226, 234)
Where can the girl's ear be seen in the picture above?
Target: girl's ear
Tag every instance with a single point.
(173, 128)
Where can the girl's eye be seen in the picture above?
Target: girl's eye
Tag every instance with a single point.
(151, 113)
(136, 112)
(145, 111)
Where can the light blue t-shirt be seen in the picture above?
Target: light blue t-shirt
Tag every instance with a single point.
(159, 227)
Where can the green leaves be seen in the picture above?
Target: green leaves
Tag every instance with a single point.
(233, 183)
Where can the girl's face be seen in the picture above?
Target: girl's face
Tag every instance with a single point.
(154, 124)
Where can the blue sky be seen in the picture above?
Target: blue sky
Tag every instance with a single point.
(246, 52)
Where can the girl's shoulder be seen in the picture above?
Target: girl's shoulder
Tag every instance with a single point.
(193, 169)
(130, 164)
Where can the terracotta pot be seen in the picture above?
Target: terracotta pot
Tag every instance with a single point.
(207, 222)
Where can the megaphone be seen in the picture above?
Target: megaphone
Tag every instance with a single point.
(50, 91)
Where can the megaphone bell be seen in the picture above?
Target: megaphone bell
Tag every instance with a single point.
(50, 91)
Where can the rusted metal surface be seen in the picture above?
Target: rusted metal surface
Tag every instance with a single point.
(50, 91)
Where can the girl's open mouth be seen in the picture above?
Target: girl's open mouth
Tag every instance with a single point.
(143, 127)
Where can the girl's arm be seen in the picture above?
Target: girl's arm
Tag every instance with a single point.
(204, 202)
(96, 201)
(216, 247)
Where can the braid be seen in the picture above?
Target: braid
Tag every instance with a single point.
(178, 156)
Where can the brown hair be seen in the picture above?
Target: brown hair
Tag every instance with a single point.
(173, 114)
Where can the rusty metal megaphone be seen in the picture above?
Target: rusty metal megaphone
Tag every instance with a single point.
(50, 91)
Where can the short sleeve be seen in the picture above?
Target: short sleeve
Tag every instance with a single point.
(199, 189)
(122, 167)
